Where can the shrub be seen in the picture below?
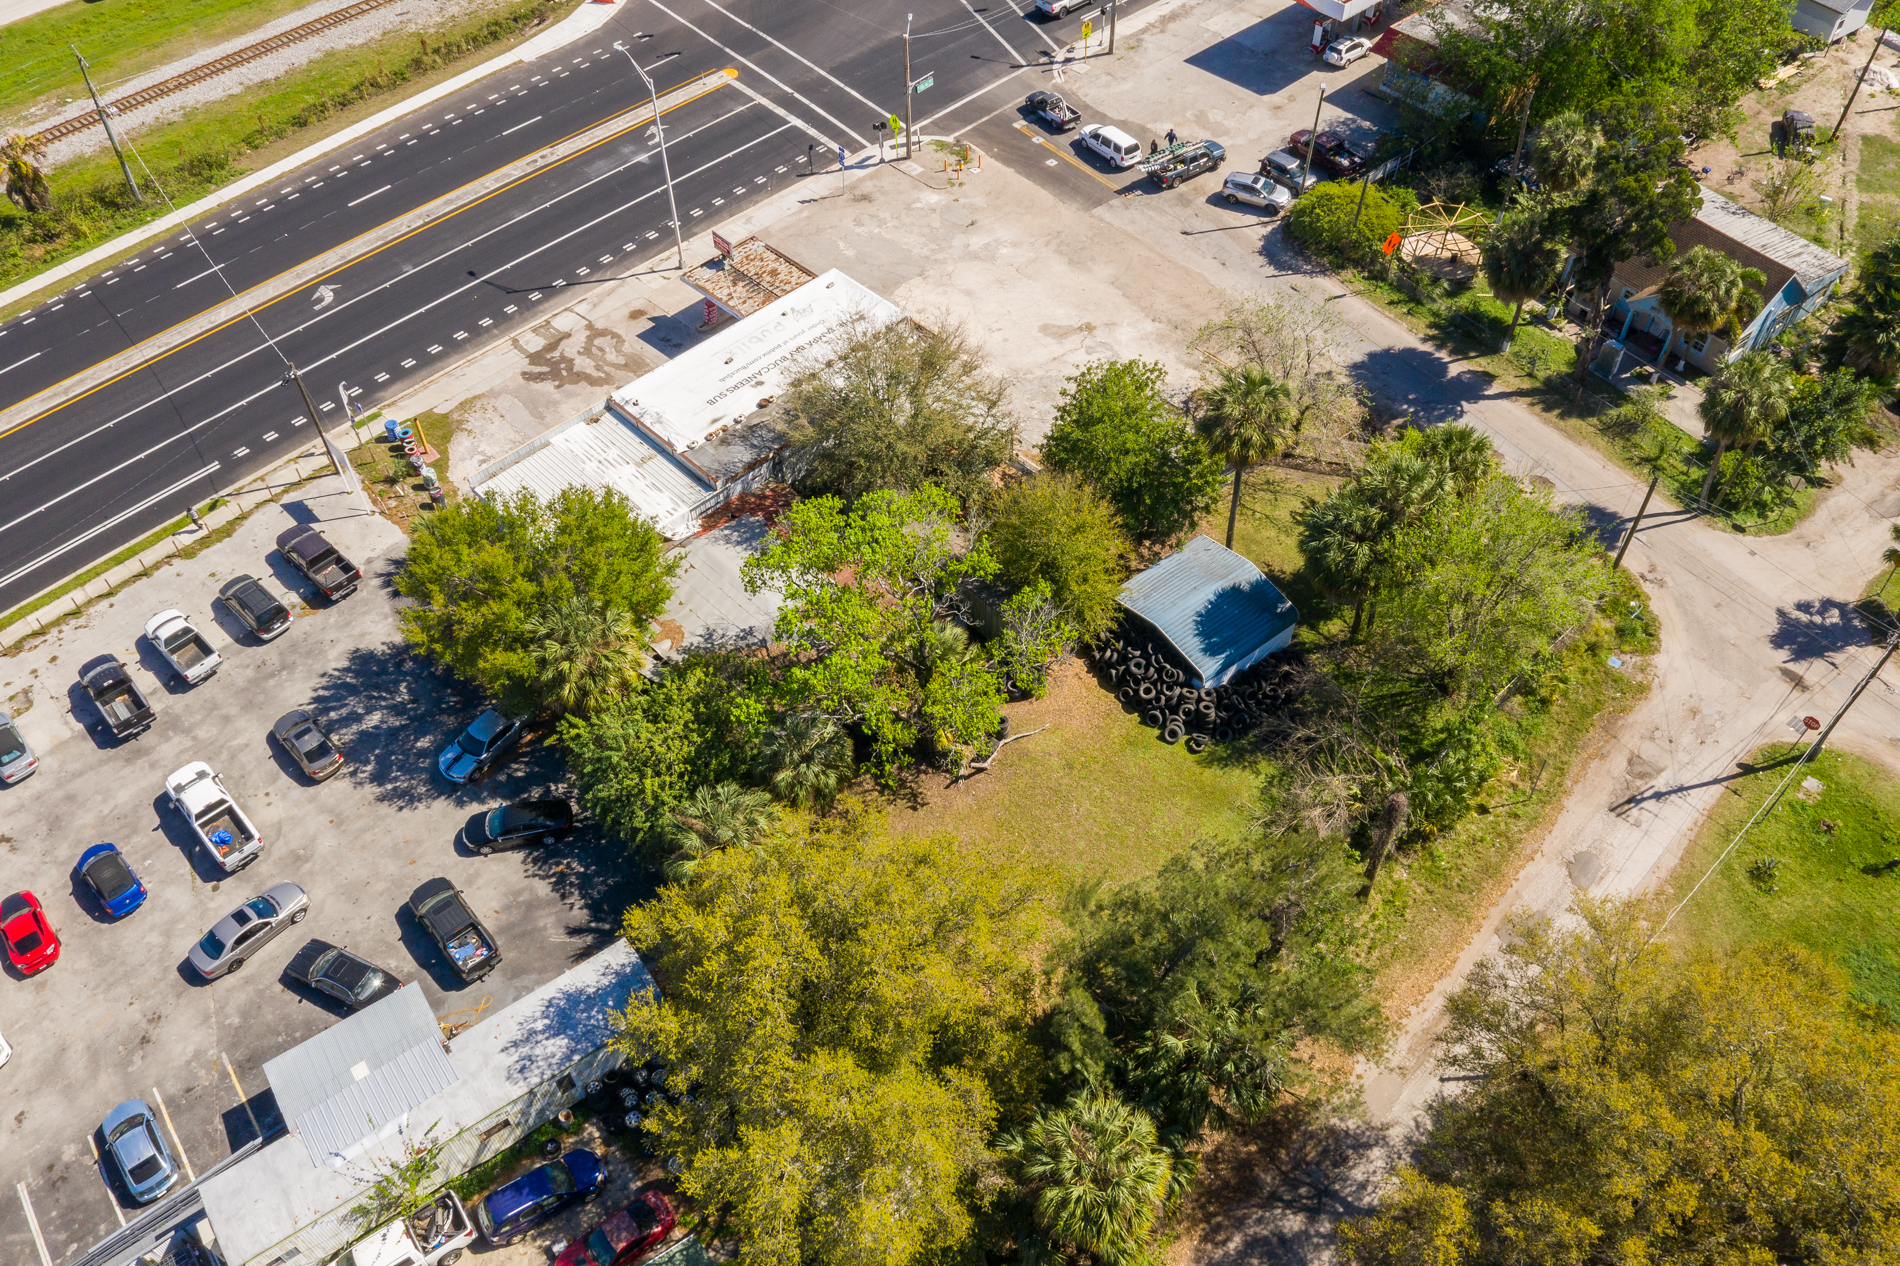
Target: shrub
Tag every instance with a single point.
(1323, 218)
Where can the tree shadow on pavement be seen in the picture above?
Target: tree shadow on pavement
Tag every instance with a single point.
(393, 713)
(1818, 628)
(596, 878)
(1417, 382)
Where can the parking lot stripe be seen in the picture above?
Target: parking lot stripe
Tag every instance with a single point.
(39, 1241)
(240, 1093)
(107, 1181)
(166, 1113)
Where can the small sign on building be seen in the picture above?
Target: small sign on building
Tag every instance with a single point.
(721, 245)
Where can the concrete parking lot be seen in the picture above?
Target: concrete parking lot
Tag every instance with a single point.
(120, 1015)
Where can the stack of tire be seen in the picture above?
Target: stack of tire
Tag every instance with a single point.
(1156, 689)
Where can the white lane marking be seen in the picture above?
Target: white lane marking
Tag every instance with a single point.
(823, 139)
(765, 74)
(87, 535)
(16, 364)
(517, 127)
(366, 197)
(269, 436)
(326, 406)
(963, 101)
(382, 377)
(978, 15)
(879, 110)
(719, 202)
(39, 1241)
(486, 321)
(434, 348)
(460, 335)
(239, 452)
(580, 272)
(206, 273)
(534, 296)
(166, 1113)
(117, 1211)
(409, 363)
(510, 308)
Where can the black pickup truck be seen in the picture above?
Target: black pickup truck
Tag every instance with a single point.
(445, 914)
(117, 696)
(1053, 110)
(320, 561)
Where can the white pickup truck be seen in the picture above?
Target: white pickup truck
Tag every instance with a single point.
(199, 794)
(434, 1236)
(183, 646)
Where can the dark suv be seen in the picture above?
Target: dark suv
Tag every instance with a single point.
(252, 604)
(308, 551)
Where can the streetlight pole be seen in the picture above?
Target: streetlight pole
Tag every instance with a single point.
(1112, 6)
(1312, 139)
(908, 87)
(106, 123)
(672, 203)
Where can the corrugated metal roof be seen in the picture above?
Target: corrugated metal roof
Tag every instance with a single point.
(356, 1077)
(1213, 606)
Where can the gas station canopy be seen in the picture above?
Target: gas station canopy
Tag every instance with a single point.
(1341, 10)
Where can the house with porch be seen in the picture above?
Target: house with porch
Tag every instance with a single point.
(1801, 277)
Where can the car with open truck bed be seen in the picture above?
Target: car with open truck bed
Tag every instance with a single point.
(117, 696)
(199, 794)
(182, 646)
(451, 923)
(322, 564)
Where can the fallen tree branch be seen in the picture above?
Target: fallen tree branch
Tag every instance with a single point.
(978, 766)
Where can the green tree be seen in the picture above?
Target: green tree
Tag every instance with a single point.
(1827, 420)
(897, 406)
(851, 1010)
(1245, 417)
(719, 815)
(1628, 1103)
(1343, 537)
(805, 761)
(1115, 429)
(865, 592)
(479, 571)
(21, 174)
(1196, 992)
(1098, 1176)
(1323, 218)
(1563, 154)
(1624, 212)
(1743, 404)
(1059, 531)
(637, 759)
(1871, 322)
(1035, 634)
(1521, 258)
(1706, 291)
(583, 651)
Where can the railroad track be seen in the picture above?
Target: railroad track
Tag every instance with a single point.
(212, 69)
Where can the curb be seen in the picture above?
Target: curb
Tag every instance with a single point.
(587, 19)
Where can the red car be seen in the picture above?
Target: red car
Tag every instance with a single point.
(626, 1237)
(30, 940)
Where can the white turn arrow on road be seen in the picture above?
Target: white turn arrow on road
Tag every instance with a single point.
(324, 295)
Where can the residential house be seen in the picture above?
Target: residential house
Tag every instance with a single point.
(1801, 276)
(1413, 74)
(1830, 20)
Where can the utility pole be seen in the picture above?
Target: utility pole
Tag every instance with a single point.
(1312, 139)
(908, 93)
(660, 128)
(105, 122)
(1111, 27)
(316, 419)
(1814, 748)
(1523, 121)
(1636, 522)
(1364, 186)
(1858, 80)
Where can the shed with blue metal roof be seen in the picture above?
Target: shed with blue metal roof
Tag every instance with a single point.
(1216, 609)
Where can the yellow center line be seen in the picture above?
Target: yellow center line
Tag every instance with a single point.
(1063, 151)
(348, 264)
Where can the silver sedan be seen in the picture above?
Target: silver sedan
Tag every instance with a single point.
(1255, 191)
(244, 931)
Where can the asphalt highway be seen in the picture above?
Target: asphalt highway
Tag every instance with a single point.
(87, 476)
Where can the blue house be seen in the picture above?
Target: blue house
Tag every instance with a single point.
(1801, 277)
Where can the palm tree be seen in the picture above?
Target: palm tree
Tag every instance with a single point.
(1245, 418)
(1463, 452)
(1890, 556)
(582, 650)
(1706, 290)
(1521, 260)
(723, 816)
(20, 172)
(1742, 404)
(1871, 323)
(1099, 1176)
(806, 761)
(1339, 539)
(1565, 152)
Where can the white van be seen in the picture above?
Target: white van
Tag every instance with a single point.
(1112, 143)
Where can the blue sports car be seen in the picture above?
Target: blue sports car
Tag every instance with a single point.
(111, 879)
(509, 1210)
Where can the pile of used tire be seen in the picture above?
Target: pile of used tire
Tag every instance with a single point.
(1148, 681)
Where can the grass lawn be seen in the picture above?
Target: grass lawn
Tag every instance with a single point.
(1836, 888)
(1879, 182)
(393, 482)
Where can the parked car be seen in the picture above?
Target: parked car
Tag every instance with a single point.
(483, 744)
(31, 943)
(1330, 152)
(626, 1237)
(1255, 191)
(447, 917)
(223, 828)
(436, 1235)
(6, 1052)
(138, 1150)
(539, 1194)
(523, 822)
(247, 929)
(182, 646)
(1056, 8)
(322, 564)
(1053, 110)
(112, 879)
(16, 758)
(1119, 148)
(337, 973)
(308, 743)
(254, 607)
(117, 697)
(1284, 167)
(1347, 51)
(1178, 168)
